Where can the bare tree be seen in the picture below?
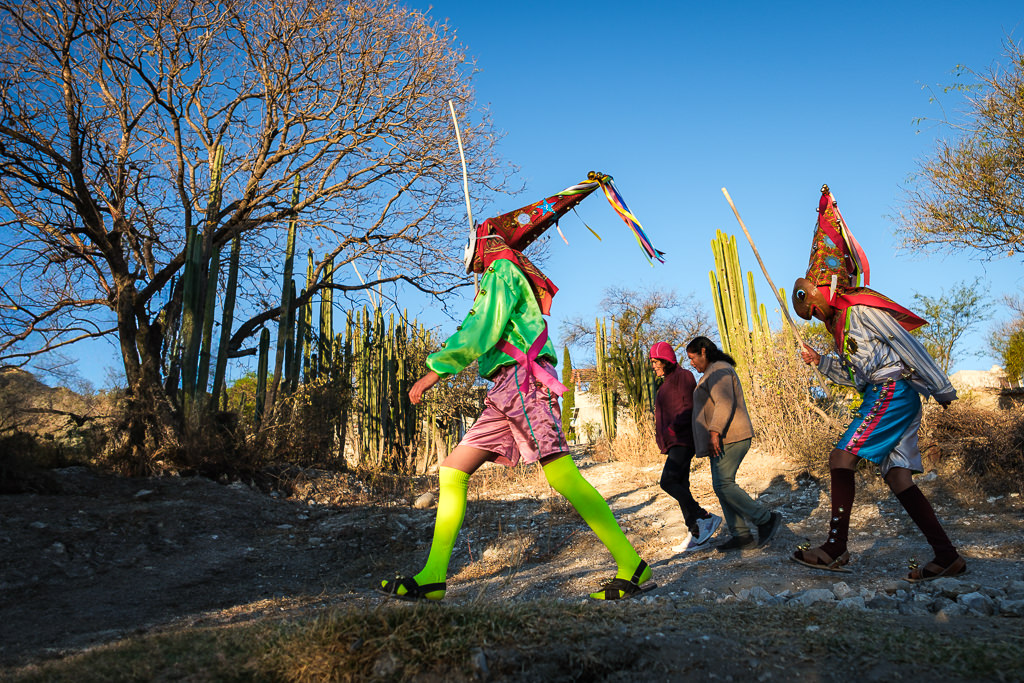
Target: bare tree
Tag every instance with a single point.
(969, 194)
(111, 115)
(643, 317)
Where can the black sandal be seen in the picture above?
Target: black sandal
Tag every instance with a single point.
(617, 589)
(413, 591)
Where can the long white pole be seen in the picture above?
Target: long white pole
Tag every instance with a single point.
(462, 155)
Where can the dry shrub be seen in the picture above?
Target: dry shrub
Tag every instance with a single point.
(635, 443)
(788, 420)
(209, 444)
(987, 444)
(494, 479)
(304, 427)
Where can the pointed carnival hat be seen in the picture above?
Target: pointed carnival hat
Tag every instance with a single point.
(838, 272)
(505, 236)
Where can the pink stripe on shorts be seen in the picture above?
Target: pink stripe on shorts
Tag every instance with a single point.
(511, 433)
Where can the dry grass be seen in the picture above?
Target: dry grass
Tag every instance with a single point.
(985, 444)
(635, 444)
(787, 419)
(551, 641)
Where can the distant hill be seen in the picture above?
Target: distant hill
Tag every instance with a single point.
(54, 414)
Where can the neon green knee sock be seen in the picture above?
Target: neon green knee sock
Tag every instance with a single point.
(567, 480)
(451, 510)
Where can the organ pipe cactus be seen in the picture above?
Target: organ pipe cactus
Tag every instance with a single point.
(739, 332)
(287, 286)
(227, 318)
(261, 375)
(326, 338)
(605, 380)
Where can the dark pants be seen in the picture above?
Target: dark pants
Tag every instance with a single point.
(675, 481)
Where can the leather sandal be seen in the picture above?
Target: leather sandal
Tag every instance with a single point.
(413, 591)
(817, 558)
(932, 571)
(617, 589)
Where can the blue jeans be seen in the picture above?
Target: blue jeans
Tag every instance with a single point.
(737, 506)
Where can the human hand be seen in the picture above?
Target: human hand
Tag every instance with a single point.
(944, 404)
(809, 355)
(422, 385)
(716, 444)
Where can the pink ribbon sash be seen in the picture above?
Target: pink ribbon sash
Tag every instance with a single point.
(531, 368)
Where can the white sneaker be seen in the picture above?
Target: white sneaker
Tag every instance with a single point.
(689, 543)
(707, 527)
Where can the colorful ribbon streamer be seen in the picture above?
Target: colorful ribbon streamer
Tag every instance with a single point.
(619, 205)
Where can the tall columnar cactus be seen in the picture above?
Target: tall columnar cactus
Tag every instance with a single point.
(325, 350)
(197, 283)
(226, 321)
(287, 293)
(303, 326)
(730, 299)
(308, 367)
(188, 338)
(290, 374)
(605, 380)
(569, 397)
(203, 372)
(261, 374)
(740, 334)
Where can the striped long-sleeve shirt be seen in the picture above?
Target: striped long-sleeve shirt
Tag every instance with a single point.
(877, 348)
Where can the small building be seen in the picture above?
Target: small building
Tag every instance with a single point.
(989, 388)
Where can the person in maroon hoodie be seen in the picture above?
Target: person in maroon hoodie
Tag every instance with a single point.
(673, 409)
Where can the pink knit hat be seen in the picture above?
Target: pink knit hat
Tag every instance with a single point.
(663, 351)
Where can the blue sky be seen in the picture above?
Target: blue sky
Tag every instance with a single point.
(770, 100)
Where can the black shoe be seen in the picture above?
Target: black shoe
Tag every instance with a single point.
(766, 532)
(737, 543)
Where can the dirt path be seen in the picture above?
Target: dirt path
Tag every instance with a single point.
(97, 558)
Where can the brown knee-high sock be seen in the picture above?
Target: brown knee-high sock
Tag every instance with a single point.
(920, 510)
(843, 490)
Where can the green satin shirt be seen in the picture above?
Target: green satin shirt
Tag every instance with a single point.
(504, 308)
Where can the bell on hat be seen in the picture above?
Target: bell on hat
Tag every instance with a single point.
(663, 351)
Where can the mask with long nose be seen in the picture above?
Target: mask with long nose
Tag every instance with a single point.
(809, 301)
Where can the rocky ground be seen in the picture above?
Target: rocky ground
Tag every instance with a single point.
(92, 558)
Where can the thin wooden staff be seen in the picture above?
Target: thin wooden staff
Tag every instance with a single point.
(778, 297)
(465, 175)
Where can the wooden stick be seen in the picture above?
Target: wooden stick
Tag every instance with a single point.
(778, 297)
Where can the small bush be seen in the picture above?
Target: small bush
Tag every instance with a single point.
(987, 444)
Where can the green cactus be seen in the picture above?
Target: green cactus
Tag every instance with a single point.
(740, 333)
(261, 375)
(203, 372)
(325, 350)
(290, 379)
(569, 397)
(227, 318)
(286, 318)
(308, 366)
(605, 381)
(199, 278)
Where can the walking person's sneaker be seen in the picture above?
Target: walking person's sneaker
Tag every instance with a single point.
(689, 543)
(745, 542)
(707, 528)
(766, 532)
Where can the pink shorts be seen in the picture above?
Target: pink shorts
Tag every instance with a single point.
(518, 424)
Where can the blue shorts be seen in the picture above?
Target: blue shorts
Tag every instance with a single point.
(885, 429)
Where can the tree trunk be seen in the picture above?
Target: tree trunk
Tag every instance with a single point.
(149, 424)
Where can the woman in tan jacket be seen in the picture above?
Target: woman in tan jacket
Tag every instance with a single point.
(722, 430)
